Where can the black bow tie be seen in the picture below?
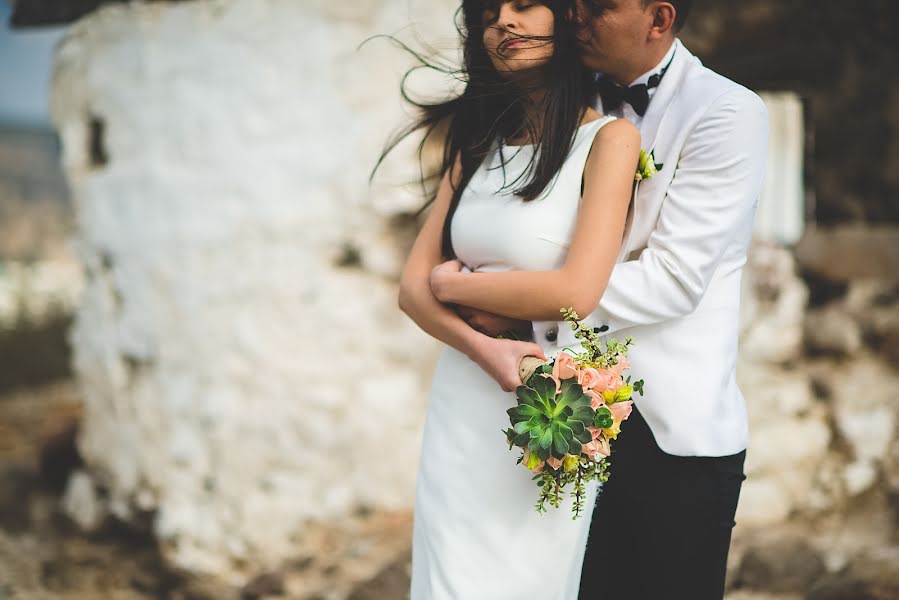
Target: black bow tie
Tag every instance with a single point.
(613, 95)
(637, 96)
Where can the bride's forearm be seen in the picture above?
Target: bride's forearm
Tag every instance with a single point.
(439, 321)
(526, 295)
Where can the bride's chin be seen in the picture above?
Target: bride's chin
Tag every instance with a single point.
(522, 74)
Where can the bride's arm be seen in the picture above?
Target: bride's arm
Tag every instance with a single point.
(415, 296)
(581, 281)
(499, 358)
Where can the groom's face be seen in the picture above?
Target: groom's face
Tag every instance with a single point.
(613, 34)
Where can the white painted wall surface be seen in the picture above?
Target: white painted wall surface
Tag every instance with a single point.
(236, 382)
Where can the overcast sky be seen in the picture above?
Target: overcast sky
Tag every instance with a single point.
(25, 65)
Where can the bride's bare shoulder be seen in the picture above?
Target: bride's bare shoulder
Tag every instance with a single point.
(618, 131)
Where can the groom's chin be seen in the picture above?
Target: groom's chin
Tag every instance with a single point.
(590, 61)
(588, 57)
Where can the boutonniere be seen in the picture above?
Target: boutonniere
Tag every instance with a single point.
(647, 166)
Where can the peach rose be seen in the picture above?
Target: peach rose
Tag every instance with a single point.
(588, 378)
(598, 446)
(554, 462)
(621, 366)
(564, 366)
(607, 380)
(621, 410)
(596, 399)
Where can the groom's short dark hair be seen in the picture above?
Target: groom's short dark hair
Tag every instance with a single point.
(682, 7)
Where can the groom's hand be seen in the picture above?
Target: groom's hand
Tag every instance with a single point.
(492, 324)
(500, 359)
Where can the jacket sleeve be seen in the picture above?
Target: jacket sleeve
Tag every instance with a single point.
(714, 191)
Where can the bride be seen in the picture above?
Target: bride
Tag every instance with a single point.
(535, 191)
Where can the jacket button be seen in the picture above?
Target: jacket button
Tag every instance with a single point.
(552, 334)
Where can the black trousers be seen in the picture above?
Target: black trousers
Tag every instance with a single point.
(662, 525)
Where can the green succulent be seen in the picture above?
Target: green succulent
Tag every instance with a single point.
(550, 424)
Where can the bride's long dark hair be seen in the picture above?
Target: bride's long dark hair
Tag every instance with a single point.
(491, 108)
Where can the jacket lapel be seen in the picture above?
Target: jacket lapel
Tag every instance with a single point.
(652, 124)
(664, 95)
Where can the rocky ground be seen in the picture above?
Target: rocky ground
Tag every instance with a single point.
(850, 555)
(43, 555)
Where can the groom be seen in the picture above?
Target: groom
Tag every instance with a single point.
(662, 525)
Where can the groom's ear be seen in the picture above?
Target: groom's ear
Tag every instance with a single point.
(664, 16)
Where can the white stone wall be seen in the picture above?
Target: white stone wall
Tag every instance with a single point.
(236, 382)
(821, 423)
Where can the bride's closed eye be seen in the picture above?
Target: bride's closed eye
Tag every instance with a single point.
(491, 15)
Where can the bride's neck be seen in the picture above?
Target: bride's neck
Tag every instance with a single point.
(533, 113)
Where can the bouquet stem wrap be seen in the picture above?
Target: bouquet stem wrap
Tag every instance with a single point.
(528, 366)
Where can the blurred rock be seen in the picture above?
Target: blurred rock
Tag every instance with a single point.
(832, 330)
(874, 304)
(772, 392)
(864, 395)
(763, 501)
(891, 467)
(199, 587)
(34, 352)
(757, 595)
(59, 456)
(847, 252)
(859, 477)
(16, 484)
(867, 429)
(265, 584)
(784, 565)
(391, 582)
(827, 490)
(890, 348)
(772, 306)
(82, 503)
(785, 443)
(862, 294)
(870, 576)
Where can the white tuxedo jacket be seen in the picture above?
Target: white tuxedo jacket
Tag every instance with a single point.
(676, 286)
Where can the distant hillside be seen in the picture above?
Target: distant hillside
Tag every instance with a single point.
(35, 209)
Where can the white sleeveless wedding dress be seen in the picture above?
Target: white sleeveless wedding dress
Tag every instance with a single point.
(476, 534)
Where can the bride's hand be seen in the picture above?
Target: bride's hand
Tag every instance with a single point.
(500, 359)
(440, 275)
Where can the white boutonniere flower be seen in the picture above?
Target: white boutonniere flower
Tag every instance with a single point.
(647, 166)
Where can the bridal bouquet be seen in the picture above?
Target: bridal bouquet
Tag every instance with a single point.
(569, 410)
